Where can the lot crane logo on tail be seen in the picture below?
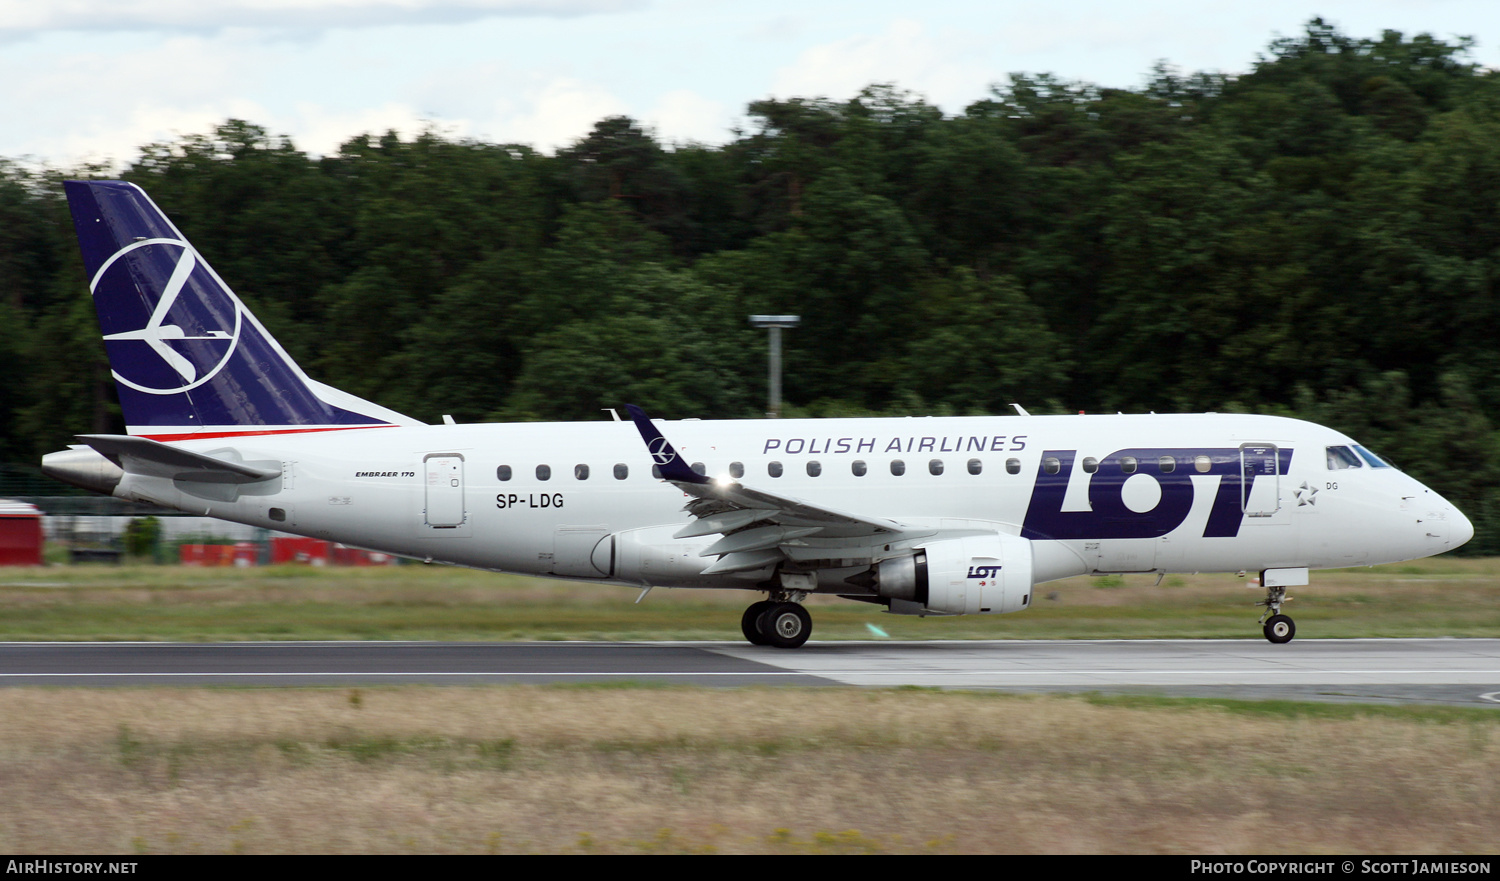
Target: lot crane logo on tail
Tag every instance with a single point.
(177, 343)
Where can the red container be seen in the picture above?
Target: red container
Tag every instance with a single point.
(206, 555)
(20, 534)
(314, 551)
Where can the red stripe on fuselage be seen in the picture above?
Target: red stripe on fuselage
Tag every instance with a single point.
(210, 435)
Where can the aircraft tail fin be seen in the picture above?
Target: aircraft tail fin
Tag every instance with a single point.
(188, 358)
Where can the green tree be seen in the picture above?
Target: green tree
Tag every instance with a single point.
(986, 346)
(667, 342)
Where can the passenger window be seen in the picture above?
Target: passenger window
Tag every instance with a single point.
(1128, 464)
(503, 472)
(1013, 466)
(774, 469)
(1202, 464)
(736, 470)
(898, 467)
(1340, 458)
(859, 468)
(814, 469)
(1090, 465)
(580, 472)
(1051, 466)
(699, 469)
(1167, 464)
(975, 466)
(544, 472)
(935, 467)
(622, 471)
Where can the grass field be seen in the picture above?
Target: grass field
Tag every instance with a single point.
(639, 769)
(646, 770)
(1435, 597)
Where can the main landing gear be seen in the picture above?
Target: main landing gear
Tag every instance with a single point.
(782, 622)
(1278, 627)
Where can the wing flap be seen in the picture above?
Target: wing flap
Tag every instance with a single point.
(758, 539)
(727, 521)
(744, 561)
(789, 511)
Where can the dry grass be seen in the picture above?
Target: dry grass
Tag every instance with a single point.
(514, 769)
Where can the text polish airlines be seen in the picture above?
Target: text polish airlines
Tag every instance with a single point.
(930, 516)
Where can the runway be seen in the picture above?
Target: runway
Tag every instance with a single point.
(1445, 671)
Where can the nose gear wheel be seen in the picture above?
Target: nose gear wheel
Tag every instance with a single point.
(1278, 628)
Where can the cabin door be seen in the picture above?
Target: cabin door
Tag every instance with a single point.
(445, 491)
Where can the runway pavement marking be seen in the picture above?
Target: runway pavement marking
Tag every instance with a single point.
(375, 673)
(1495, 696)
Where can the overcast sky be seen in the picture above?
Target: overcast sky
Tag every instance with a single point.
(93, 80)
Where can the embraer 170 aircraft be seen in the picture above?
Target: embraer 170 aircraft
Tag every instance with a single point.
(932, 516)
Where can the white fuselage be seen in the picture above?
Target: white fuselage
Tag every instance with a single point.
(1169, 493)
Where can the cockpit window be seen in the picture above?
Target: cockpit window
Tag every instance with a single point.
(1374, 460)
(1340, 458)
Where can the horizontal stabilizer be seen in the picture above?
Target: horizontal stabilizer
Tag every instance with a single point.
(139, 455)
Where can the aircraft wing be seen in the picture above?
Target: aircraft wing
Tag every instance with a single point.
(139, 455)
(760, 528)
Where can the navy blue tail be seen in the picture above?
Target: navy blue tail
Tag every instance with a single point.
(187, 356)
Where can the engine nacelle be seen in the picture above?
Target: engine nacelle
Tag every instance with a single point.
(975, 575)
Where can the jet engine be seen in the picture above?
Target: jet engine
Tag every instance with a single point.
(974, 575)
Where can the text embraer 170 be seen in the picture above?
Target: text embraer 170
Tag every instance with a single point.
(936, 516)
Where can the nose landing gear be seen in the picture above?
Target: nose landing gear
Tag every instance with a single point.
(1278, 627)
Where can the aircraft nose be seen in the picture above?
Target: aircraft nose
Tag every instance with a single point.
(1460, 530)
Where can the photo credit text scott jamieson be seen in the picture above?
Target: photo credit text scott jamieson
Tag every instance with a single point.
(1341, 866)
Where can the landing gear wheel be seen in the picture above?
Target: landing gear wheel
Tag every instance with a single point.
(785, 625)
(750, 623)
(1280, 629)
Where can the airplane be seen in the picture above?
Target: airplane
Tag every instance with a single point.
(921, 516)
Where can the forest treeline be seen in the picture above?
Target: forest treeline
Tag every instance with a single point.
(1319, 237)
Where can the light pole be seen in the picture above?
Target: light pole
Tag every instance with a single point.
(775, 323)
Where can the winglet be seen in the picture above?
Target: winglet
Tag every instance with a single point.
(667, 461)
